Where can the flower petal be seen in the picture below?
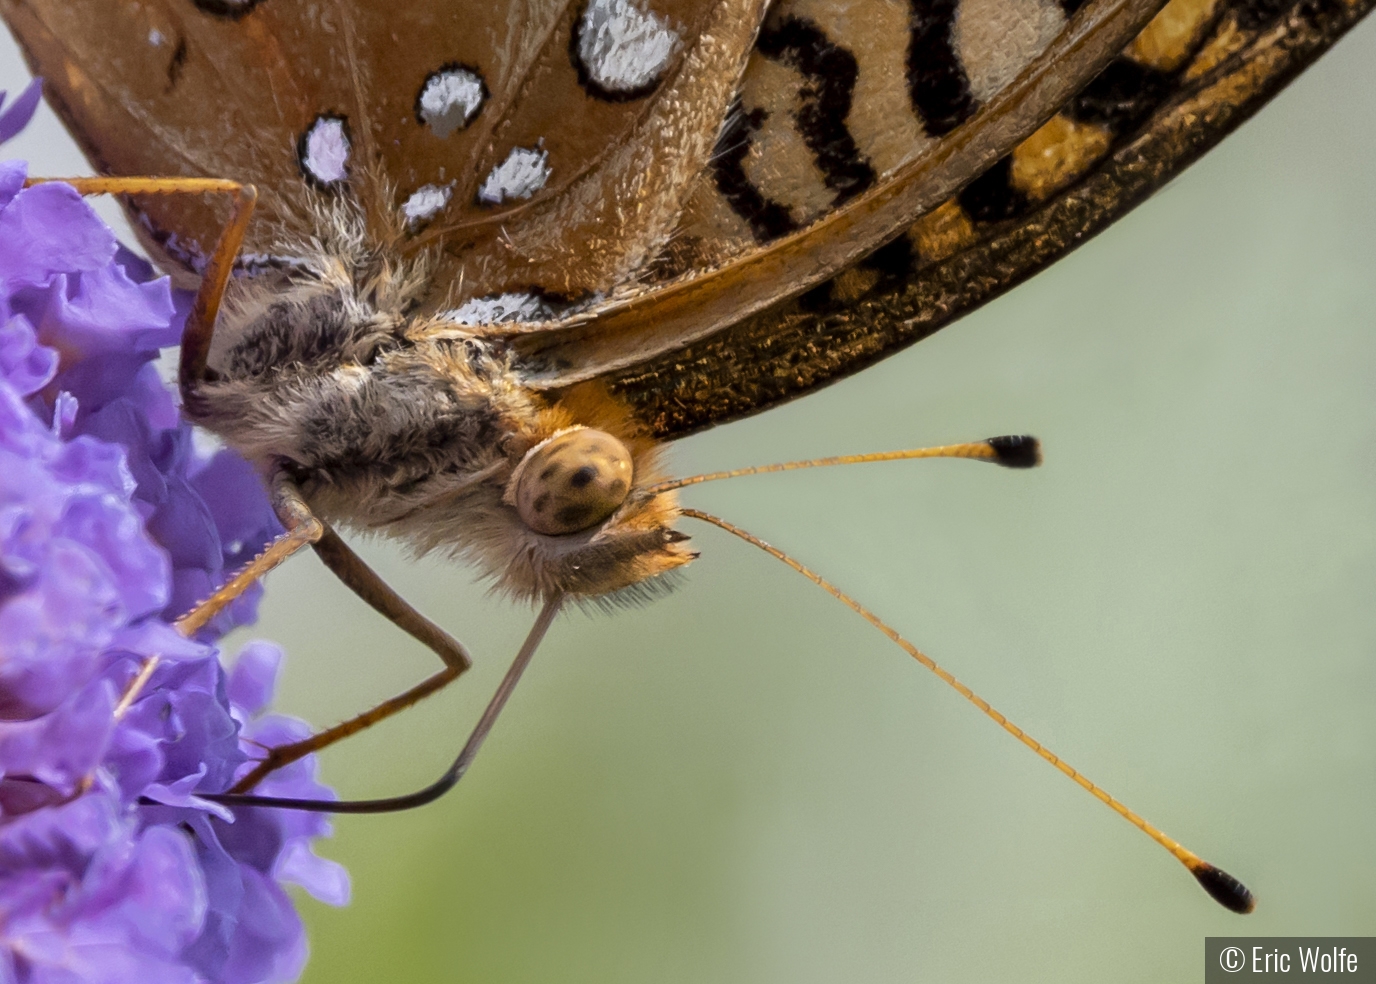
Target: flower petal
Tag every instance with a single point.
(21, 110)
(48, 229)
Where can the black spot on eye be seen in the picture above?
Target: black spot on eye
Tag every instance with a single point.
(549, 472)
(228, 9)
(542, 502)
(582, 476)
(617, 490)
(573, 517)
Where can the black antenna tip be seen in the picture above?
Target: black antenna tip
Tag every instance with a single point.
(1224, 889)
(1016, 451)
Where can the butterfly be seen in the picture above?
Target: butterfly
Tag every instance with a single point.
(507, 256)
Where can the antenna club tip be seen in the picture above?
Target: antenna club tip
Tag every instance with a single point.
(1224, 889)
(1016, 451)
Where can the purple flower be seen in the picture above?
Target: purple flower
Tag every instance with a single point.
(17, 117)
(111, 526)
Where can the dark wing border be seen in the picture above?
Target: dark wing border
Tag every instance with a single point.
(827, 334)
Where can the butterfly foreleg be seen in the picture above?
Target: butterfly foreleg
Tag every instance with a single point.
(301, 524)
(302, 527)
(200, 323)
(369, 586)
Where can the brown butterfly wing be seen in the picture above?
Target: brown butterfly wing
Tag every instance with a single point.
(838, 98)
(622, 161)
(304, 98)
(632, 164)
(1200, 69)
(916, 150)
(414, 111)
(152, 89)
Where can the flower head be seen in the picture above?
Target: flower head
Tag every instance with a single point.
(111, 526)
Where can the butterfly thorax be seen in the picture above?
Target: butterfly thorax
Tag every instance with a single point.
(411, 425)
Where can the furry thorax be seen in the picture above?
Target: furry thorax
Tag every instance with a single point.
(408, 424)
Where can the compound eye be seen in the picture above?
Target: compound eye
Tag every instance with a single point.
(573, 482)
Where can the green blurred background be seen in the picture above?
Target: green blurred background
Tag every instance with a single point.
(745, 783)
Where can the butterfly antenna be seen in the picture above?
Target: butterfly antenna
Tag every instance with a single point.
(451, 777)
(1016, 451)
(1221, 886)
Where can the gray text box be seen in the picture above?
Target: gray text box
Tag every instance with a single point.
(1262, 959)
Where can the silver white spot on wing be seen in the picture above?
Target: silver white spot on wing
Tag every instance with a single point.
(501, 308)
(324, 150)
(449, 100)
(155, 37)
(522, 174)
(426, 202)
(622, 48)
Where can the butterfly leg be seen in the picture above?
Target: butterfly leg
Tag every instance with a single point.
(369, 586)
(302, 526)
(200, 323)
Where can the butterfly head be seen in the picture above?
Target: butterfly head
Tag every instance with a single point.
(578, 518)
(565, 510)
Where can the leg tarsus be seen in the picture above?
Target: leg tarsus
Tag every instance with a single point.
(282, 755)
(457, 769)
(302, 528)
